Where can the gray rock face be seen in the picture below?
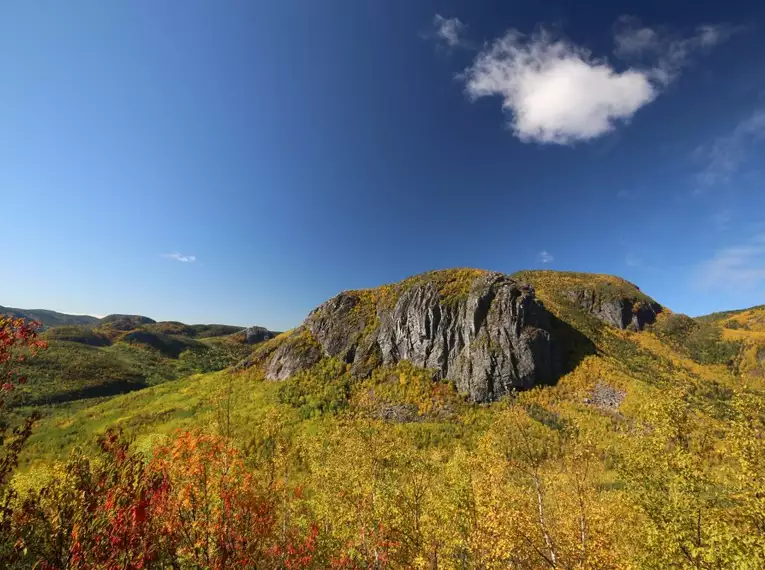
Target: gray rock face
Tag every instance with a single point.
(494, 337)
(254, 335)
(290, 358)
(621, 312)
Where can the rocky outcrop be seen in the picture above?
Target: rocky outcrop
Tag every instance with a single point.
(483, 330)
(298, 352)
(254, 335)
(620, 311)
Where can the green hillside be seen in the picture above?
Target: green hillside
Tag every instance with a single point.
(123, 353)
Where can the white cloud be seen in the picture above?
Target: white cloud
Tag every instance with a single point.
(449, 30)
(555, 91)
(735, 268)
(664, 52)
(632, 260)
(727, 154)
(558, 92)
(631, 40)
(545, 257)
(712, 35)
(181, 258)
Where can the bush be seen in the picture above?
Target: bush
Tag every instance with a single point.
(214, 358)
(325, 388)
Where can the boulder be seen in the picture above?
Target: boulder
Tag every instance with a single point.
(254, 335)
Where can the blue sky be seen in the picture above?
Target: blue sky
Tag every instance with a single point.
(241, 161)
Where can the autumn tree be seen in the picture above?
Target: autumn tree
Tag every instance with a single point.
(195, 504)
(105, 514)
(670, 464)
(746, 442)
(537, 498)
(18, 341)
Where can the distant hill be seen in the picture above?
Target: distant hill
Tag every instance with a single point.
(752, 318)
(126, 322)
(90, 357)
(747, 328)
(49, 318)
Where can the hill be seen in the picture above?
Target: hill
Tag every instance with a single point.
(123, 353)
(747, 328)
(485, 331)
(49, 318)
(736, 318)
(478, 419)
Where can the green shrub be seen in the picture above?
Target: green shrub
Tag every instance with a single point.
(325, 388)
(215, 357)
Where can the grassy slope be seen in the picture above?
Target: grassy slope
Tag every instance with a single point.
(157, 410)
(241, 404)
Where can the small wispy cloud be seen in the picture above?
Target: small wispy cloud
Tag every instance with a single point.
(545, 257)
(664, 52)
(735, 268)
(727, 154)
(555, 91)
(632, 260)
(180, 257)
(722, 218)
(449, 30)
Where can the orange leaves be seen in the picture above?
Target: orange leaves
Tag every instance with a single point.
(216, 508)
(194, 504)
